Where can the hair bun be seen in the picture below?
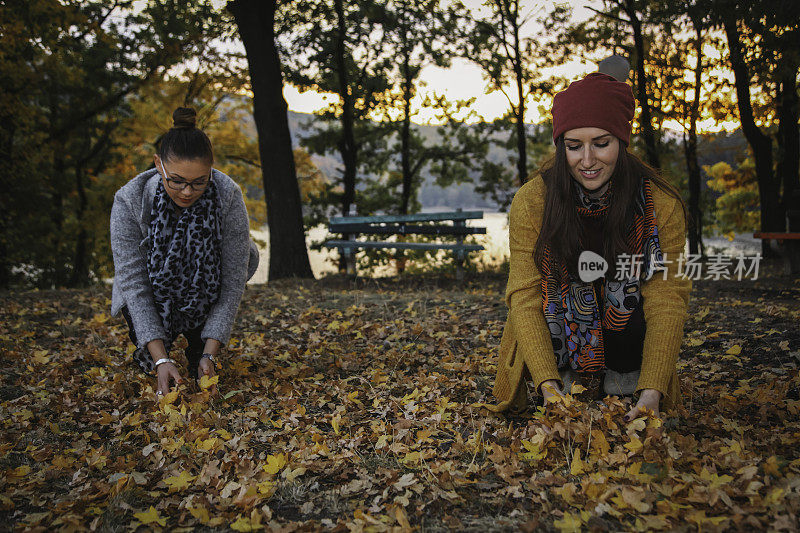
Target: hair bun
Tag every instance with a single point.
(184, 118)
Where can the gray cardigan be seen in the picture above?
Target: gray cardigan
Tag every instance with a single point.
(130, 242)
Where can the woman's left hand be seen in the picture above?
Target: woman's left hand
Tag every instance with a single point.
(206, 367)
(649, 399)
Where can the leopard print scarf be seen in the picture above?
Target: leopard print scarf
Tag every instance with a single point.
(184, 260)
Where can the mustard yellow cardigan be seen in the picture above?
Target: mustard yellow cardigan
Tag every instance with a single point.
(526, 344)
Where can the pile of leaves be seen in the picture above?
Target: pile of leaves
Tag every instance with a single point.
(356, 406)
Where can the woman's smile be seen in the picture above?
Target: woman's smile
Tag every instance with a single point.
(590, 174)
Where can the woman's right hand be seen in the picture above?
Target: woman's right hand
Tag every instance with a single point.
(550, 389)
(166, 372)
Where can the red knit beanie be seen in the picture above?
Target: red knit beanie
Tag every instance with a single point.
(598, 101)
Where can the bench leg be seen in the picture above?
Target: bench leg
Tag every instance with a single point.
(791, 265)
(460, 265)
(350, 262)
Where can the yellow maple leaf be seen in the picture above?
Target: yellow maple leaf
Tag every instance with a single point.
(571, 523)
(168, 399)
(243, 523)
(635, 445)
(200, 513)
(577, 467)
(100, 318)
(207, 382)
(577, 388)
(41, 357)
(600, 443)
(266, 487)
(170, 446)
(275, 463)
(771, 466)
(207, 445)
(150, 516)
(353, 397)
(774, 497)
(715, 481)
(179, 482)
(734, 350)
(20, 471)
(411, 457)
(533, 453)
(290, 475)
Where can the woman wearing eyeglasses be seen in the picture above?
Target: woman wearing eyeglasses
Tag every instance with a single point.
(182, 254)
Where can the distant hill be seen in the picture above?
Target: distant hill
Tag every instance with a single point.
(711, 149)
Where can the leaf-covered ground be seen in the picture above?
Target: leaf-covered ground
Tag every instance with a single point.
(352, 406)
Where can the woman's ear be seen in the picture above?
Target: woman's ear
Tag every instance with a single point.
(157, 163)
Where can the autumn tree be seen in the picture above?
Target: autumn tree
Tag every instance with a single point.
(763, 54)
(689, 92)
(420, 34)
(288, 253)
(67, 70)
(511, 60)
(338, 47)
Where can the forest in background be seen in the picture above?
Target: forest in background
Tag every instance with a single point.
(89, 87)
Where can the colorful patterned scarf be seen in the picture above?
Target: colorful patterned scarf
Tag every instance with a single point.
(184, 260)
(570, 306)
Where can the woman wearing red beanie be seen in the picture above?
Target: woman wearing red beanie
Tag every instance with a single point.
(618, 333)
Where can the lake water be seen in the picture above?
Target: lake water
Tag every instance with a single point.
(495, 243)
(323, 262)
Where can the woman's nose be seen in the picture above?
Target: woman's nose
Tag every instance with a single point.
(588, 157)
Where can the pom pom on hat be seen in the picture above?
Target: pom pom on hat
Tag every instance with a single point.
(598, 101)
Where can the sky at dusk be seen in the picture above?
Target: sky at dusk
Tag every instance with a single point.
(463, 79)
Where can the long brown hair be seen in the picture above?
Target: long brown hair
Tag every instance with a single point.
(561, 225)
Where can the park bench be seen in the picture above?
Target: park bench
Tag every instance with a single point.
(418, 224)
(788, 242)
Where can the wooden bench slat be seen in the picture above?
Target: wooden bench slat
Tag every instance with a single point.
(418, 217)
(775, 235)
(405, 229)
(403, 245)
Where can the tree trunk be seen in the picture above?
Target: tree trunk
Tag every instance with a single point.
(405, 134)
(760, 144)
(692, 165)
(646, 118)
(522, 162)
(57, 275)
(347, 144)
(788, 132)
(288, 256)
(6, 145)
(80, 263)
(347, 147)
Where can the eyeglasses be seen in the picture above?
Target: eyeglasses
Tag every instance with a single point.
(179, 185)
